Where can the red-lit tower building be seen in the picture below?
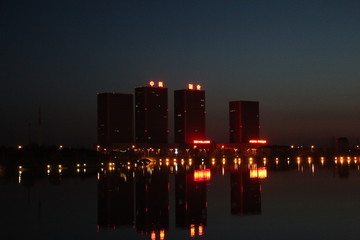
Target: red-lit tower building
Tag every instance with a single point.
(151, 114)
(115, 118)
(244, 121)
(189, 114)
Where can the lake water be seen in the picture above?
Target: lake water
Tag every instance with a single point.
(211, 200)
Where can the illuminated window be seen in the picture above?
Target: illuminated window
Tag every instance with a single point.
(198, 87)
(191, 86)
(161, 84)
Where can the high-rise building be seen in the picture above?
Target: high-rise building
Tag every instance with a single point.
(115, 118)
(189, 114)
(244, 121)
(151, 114)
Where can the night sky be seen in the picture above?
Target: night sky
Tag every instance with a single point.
(299, 59)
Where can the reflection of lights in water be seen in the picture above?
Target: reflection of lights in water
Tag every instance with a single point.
(78, 170)
(322, 160)
(309, 160)
(162, 234)
(277, 161)
(201, 230)
(192, 230)
(313, 169)
(20, 173)
(223, 161)
(223, 171)
(202, 175)
(258, 172)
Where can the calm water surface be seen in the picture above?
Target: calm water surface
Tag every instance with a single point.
(221, 201)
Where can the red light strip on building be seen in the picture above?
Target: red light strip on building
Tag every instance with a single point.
(202, 141)
(258, 141)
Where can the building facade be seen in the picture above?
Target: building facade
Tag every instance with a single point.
(151, 114)
(244, 121)
(189, 113)
(115, 118)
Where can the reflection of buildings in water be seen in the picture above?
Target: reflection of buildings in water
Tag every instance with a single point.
(191, 203)
(342, 170)
(152, 202)
(115, 199)
(245, 193)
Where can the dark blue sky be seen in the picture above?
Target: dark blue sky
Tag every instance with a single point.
(299, 59)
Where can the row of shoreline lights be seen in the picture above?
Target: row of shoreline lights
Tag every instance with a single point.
(191, 86)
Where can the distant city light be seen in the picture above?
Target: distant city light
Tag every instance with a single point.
(152, 83)
(160, 84)
(191, 86)
(198, 87)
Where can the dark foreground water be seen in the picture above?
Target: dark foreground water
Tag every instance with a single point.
(222, 201)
